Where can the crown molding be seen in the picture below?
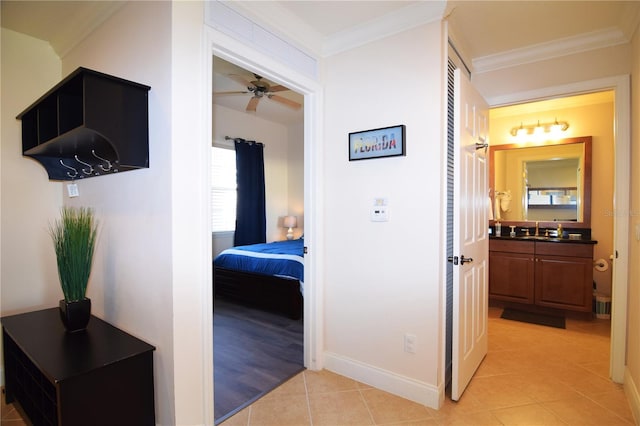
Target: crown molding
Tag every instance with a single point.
(556, 103)
(549, 50)
(630, 20)
(280, 21)
(393, 23)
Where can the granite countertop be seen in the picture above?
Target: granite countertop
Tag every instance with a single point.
(542, 238)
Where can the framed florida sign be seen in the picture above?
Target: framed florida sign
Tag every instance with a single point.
(377, 143)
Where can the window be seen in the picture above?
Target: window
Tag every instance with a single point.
(223, 189)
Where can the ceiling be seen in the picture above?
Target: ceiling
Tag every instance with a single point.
(267, 109)
(481, 29)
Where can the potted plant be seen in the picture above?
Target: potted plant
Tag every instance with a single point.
(74, 238)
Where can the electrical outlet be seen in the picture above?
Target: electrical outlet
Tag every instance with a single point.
(410, 343)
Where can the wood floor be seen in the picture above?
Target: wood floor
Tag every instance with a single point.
(254, 352)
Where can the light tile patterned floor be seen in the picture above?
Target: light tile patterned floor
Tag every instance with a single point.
(532, 375)
(9, 415)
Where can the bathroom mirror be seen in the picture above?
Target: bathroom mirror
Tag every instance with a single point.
(548, 182)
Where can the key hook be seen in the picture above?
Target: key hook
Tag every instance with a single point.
(85, 171)
(75, 171)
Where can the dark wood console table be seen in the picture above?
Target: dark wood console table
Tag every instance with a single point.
(100, 376)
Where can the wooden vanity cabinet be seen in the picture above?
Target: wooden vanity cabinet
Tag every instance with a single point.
(564, 276)
(511, 271)
(552, 275)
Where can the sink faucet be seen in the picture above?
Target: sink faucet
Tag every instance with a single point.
(559, 230)
(537, 234)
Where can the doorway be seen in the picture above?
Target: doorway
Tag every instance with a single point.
(621, 130)
(255, 348)
(620, 85)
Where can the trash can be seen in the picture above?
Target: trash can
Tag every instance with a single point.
(603, 307)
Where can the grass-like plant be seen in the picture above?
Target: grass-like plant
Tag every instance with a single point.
(74, 238)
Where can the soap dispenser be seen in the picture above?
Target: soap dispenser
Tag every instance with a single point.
(498, 229)
(512, 234)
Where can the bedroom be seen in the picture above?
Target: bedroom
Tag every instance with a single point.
(279, 127)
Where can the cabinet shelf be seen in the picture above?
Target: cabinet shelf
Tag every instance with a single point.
(89, 124)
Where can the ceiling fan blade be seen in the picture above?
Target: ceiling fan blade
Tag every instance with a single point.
(230, 93)
(277, 88)
(241, 80)
(285, 101)
(253, 104)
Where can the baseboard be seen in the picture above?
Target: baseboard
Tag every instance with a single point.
(631, 390)
(405, 387)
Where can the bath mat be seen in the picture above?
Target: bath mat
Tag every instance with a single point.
(533, 318)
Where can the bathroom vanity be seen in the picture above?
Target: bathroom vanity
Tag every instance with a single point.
(539, 271)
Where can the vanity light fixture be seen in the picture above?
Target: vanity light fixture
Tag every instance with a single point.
(538, 130)
(554, 128)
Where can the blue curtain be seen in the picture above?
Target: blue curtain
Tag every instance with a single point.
(251, 222)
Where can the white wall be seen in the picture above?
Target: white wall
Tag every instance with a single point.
(131, 283)
(29, 200)
(28, 274)
(385, 279)
(191, 247)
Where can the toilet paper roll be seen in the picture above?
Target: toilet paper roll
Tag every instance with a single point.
(601, 265)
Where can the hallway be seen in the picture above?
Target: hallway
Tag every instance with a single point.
(532, 375)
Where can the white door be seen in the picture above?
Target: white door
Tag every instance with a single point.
(470, 237)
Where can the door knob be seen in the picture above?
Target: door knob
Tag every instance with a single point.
(464, 260)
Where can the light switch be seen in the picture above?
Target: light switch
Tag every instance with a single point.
(380, 210)
(379, 214)
(72, 190)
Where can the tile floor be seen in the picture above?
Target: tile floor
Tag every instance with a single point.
(532, 375)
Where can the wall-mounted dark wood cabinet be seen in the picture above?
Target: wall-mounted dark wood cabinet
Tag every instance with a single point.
(90, 124)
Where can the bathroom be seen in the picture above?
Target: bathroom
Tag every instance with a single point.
(580, 116)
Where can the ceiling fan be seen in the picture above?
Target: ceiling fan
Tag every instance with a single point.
(259, 89)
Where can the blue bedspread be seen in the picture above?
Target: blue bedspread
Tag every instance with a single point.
(280, 258)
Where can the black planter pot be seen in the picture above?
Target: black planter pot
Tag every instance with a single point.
(75, 315)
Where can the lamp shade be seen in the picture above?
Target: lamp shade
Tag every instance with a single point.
(290, 222)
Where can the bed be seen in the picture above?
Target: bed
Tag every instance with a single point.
(268, 276)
